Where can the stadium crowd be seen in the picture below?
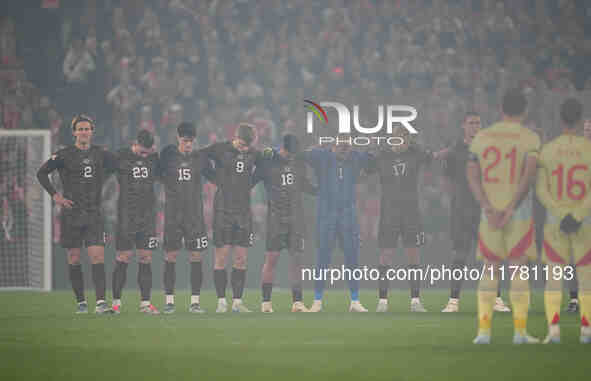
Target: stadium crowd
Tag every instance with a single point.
(151, 64)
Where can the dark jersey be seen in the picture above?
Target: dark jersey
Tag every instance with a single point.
(234, 178)
(284, 179)
(137, 200)
(463, 201)
(181, 175)
(399, 177)
(82, 173)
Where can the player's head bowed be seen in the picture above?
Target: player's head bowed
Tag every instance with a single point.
(404, 137)
(291, 143)
(144, 143)
(244, 137)
(514, 103)
(571, 112)
(186, 136)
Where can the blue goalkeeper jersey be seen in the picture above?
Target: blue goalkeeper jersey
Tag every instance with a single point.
(337, 179)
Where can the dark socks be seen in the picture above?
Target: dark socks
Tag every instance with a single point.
(196, 278)
(77, 281)
(456, 284)
(414, 280)
(119, 278)
(169, 277)
(238, 278)
(383, 282)
(220, 280)
(98, 277)
(267, 288)
(144, 280)
(296, 293)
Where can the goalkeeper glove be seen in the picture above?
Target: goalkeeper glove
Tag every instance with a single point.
(569, 224)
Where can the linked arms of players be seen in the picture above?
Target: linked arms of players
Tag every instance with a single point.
(54, 162)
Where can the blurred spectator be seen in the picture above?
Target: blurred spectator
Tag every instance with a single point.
(77, 67)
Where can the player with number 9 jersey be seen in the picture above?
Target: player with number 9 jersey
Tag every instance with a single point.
(501, 152)
(234, 171)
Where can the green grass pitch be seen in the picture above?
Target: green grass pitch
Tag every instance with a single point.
(41, 339)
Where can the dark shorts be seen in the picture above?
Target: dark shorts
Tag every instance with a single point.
(232, 229)
(291, 240)
(193, 237)
(139, 240)
(79, 231)
(393, 226)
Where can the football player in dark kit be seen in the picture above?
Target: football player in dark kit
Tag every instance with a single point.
(465, 210)
(180, 170)
(235, 162)
(285, 178)
(398, 168)
(82, 168)
(136, 219)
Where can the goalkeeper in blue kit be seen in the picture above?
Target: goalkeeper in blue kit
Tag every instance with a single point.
(337, 170)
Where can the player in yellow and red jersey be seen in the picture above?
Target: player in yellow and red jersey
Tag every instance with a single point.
(501, 168)
(564, 177)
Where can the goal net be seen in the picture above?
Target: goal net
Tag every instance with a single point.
(25, 212)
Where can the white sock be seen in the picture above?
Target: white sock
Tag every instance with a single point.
(99, 301)
(144, 303)
(236, 301)
(169, 299)
(82, 302)
(194, 299)
(415, 300)
(222, 300)
(116, 302)
(574, 300)
(383, 301)
(554, 330)
(454, 300)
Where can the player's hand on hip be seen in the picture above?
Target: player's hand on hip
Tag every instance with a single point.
(61, 200)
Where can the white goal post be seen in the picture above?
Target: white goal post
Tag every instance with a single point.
(25, 212)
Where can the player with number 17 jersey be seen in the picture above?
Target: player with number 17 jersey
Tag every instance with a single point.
(399, 179)
(501, 151)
